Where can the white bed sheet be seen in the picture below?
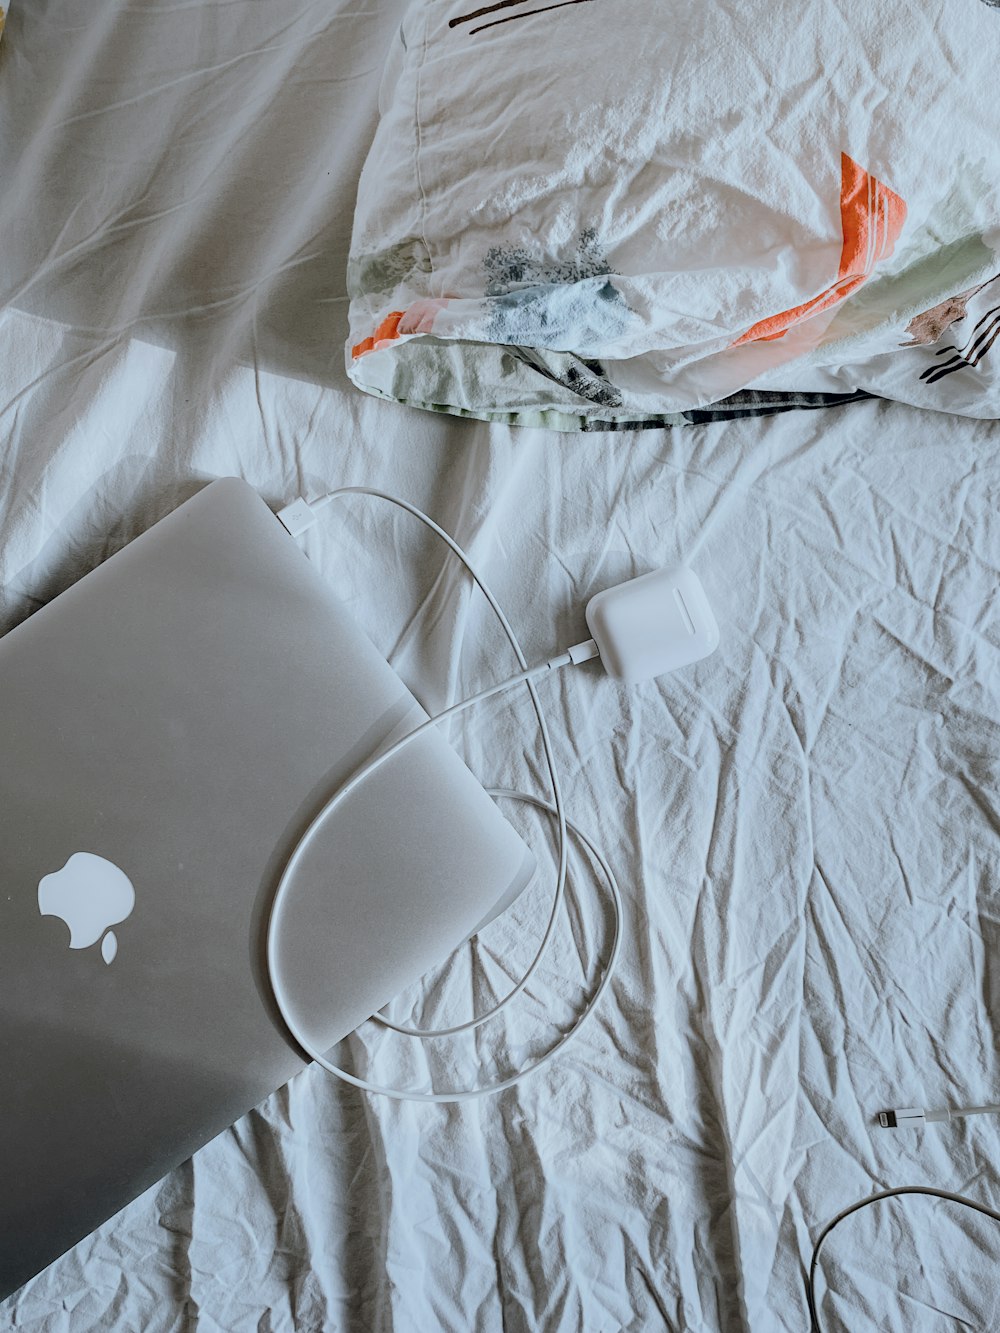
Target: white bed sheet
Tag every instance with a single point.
(805, 825)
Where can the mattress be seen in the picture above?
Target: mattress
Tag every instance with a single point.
(804, 825)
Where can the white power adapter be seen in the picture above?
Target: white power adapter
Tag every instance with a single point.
(655, 623)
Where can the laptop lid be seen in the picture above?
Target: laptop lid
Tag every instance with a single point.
(168, 727)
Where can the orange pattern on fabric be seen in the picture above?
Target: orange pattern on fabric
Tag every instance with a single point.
(872, 218)
(417, 318)
(386, 332)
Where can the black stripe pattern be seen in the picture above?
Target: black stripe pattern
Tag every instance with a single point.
(983, 336)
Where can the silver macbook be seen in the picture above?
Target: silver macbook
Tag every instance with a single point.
(168, 727)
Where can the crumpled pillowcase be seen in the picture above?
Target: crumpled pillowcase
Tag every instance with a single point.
(608, 213)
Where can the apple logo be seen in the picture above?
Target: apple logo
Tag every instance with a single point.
(89, 894)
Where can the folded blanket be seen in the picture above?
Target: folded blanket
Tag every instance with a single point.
(604, 213)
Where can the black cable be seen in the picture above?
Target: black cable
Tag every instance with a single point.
(815, 1325)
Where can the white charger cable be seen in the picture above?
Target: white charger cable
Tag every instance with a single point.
(650, 625)
(909, 1117)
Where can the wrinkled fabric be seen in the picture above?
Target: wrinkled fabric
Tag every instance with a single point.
(617, 211)
(804, 826)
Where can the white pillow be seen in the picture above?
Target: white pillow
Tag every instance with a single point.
(610, 212)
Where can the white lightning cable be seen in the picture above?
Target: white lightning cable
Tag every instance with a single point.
(908, 1117)
(297, 517)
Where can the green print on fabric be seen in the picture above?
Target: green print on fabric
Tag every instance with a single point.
(385, 270)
